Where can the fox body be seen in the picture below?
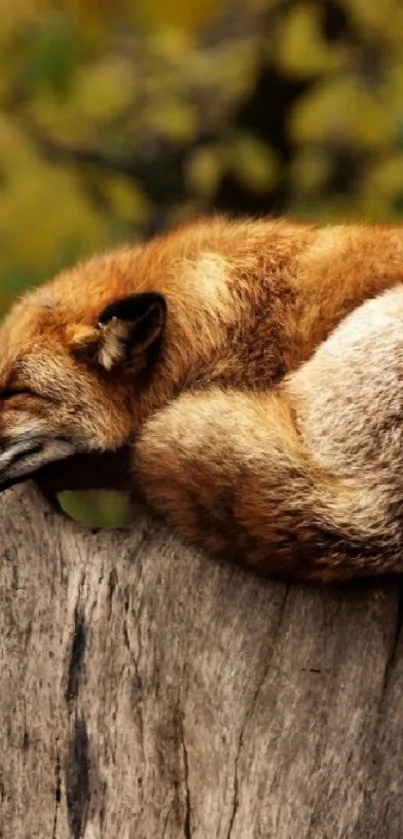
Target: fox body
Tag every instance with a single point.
(244, 378)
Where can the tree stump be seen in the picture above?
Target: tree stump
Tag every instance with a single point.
(148, 691)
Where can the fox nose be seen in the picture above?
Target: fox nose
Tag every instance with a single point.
(25, 453)
(14, 453)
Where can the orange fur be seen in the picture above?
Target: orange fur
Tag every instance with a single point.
(191, 403)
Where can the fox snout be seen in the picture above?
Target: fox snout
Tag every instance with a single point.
(23, 454)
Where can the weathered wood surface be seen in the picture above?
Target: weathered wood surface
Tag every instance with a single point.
(148, 692)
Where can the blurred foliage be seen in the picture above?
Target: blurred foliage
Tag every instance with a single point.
(109, 509)
(119, 118)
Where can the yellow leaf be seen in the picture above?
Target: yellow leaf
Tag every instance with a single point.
(129, 203)
(172, 118)
(383, 18)
(181, 13)
(253, 162)
(204, 170)
(382, 185)
(98, 508)
(300, 49)
(105, 88)
(43, 209)
(171, 44)
(310, 169)
(342, 110)
(63, 121)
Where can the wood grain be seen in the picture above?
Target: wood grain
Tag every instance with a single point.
(148, 692)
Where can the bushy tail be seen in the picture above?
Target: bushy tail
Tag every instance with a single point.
(233, 473)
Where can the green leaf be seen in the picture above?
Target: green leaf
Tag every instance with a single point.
(51, 57)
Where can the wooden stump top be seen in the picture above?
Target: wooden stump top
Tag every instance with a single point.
(148, 692)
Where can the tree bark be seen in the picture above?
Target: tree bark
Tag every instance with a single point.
(147, 692)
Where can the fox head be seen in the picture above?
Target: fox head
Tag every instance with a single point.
(86, 357)
(67, 353)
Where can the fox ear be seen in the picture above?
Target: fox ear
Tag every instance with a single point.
(126, 329)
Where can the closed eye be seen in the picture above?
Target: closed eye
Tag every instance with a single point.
(11, 392)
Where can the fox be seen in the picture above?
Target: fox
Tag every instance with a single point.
(242, 378)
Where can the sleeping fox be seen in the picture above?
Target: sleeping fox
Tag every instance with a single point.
(243, 378)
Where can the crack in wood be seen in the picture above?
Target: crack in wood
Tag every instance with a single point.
(187, 832)
(78, 779)
(392, 653)
(76, 664)
(58, 792)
